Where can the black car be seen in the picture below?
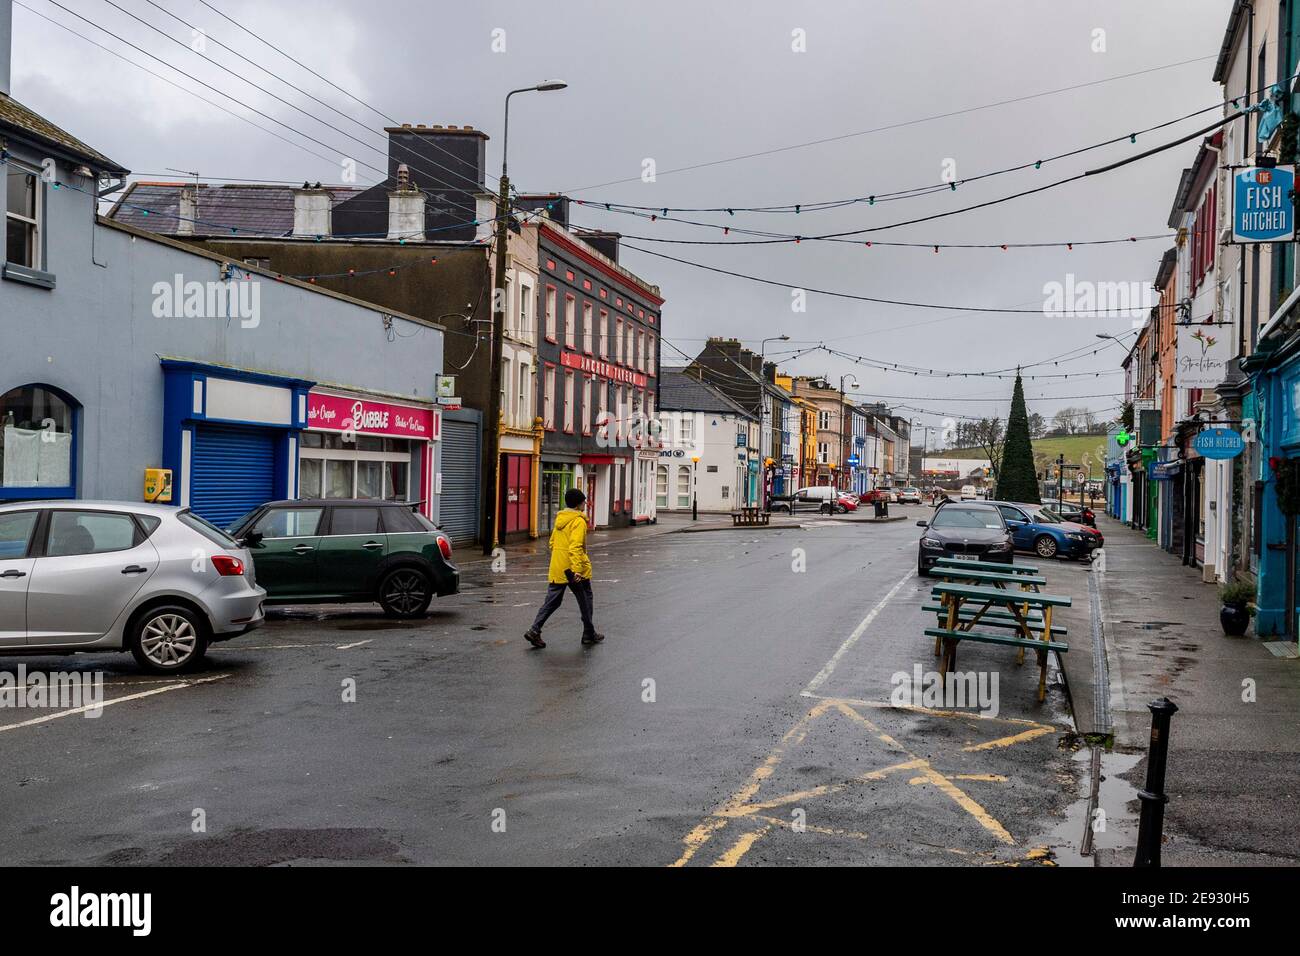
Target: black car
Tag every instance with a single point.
(964, 530)
(1076, 513)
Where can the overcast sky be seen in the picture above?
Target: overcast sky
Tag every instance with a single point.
(690, 83)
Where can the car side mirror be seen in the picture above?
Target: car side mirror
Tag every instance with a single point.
(923, 524)
(252, 539)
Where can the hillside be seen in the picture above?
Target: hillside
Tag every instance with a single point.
(1078, 450)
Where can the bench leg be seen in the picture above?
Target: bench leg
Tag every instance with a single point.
(948, 661)
(1042, 675)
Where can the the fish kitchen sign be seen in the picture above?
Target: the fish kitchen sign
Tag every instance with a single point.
(342, 413)
(1263, 209)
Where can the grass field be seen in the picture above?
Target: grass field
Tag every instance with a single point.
(1082, 450)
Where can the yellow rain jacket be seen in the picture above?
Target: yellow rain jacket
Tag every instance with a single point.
(569, 546)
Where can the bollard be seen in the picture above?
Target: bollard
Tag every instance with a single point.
(1151, 823)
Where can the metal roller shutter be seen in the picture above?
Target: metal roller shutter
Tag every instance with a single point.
(459, 502)
(232, 471)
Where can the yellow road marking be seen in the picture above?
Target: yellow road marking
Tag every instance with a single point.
(741, 847)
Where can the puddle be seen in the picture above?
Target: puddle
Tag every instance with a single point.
(1115, 826)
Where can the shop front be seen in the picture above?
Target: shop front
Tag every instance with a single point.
(360, 446)
(557, 478)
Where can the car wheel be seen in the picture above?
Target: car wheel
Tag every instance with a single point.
(405, 592)
(168, 640)
(843, 509)
(1045, 546)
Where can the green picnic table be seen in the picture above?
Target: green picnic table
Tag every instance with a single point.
(1028, 614)
(974, 565)
(1025, 582)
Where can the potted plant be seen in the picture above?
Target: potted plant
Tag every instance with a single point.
(1236, 611)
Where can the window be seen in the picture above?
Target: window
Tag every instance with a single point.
(686, 428)
(587, 329)
(23, 214)
(207, 529)
(289, 522)
(661, 486)
(631, 345)
(602, 405)
(618, 341)
(36, 442)
(550, 313)
(548, 399)
(524, 408)
(354, 521)
(89, 532)
(604, 333)
(823, 452)
(568, 402)
(683, 487)
(507, 376)
(823, 419)
(651, 355)
(16, 533)
(586, 405)
(570, 318)
(640, 351)
(524, 330)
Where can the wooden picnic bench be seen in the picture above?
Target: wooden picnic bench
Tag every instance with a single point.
(975, 565)
(749, 515)
(998, 579)
(966, 605)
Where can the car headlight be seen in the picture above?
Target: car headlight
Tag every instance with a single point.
(1074, 536)
(1000, 546)
(932, 543)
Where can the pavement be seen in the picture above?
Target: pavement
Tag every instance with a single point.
(1233, 772)
(743, 710)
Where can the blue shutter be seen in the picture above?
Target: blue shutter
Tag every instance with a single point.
(232, 471)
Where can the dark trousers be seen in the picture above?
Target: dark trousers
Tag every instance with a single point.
(555, 594)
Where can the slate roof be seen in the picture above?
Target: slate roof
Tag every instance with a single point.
(260, 209)
(27, 123)
(686, 393)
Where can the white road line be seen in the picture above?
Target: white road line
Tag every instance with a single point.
(348, 647)
(824, 674)
(109, 703)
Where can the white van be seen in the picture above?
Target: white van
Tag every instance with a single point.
(967, 492)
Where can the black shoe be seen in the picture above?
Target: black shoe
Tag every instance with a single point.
(534, 638)
(592, 638)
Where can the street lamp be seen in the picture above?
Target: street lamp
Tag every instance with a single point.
(492, 427)
(843, 457)
(762, 409)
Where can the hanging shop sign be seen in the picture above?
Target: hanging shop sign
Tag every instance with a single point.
(1218, 443)
(1262, 208)
(1202, 356)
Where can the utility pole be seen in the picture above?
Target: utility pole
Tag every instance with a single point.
(492, 427)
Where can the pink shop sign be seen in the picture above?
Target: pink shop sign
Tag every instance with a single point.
(338, 413)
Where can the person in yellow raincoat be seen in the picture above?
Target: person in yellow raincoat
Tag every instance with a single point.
(570, 568)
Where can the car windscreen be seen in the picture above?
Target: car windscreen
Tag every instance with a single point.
(207, 529)
(1048, 516)
(967, 518)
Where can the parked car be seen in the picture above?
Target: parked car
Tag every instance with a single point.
(967, 492)
(1097, 538)
(1038, 529)
(963, 530)
(1076, 513)
(109, 576)
(349, 551)
(822, 499)
(909, 496)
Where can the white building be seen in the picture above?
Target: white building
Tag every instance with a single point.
(709, 447)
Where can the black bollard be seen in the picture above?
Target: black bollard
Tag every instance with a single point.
(1153, 797)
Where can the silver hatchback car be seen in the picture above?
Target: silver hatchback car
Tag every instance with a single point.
(100, 575)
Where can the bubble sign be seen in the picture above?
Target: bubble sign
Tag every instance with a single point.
(1262, 209)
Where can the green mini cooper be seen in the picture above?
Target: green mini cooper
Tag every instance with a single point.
(348, 551)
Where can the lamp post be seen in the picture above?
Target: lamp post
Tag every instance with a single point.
(492, 427)
(842, 455)
(762, 410)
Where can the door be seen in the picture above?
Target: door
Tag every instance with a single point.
(16, 530)
(591, 498)
(1022, 532)
(285, 559)
(232, 471)
(93, 564)
(351, 552)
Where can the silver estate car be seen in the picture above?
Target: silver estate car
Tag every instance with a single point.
(100, 575)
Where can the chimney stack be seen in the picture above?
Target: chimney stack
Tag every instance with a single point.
(405, 208)
(312, 211)
(188, 210)
(6, 44)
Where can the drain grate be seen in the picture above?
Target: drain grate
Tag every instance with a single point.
(1285, 649)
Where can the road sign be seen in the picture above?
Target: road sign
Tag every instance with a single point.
(1081, 476)
(1262, 208)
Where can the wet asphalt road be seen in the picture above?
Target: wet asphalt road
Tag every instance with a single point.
(736, 714)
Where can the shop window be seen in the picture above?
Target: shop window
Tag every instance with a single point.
(23, 215)
(661, 486)
(37, 443)
(570, 321)
(309, 477)
(338, 478)
(370, 479)
(683, 487)
(587, 329)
